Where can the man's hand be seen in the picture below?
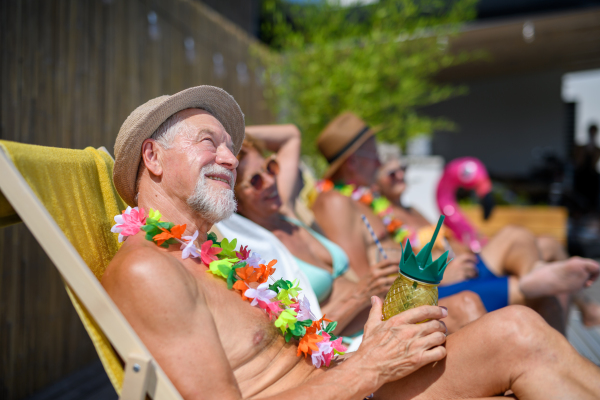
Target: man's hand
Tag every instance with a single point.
(460, 269)
(397, 347)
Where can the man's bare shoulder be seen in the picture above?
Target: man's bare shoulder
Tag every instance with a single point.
(333, 203)
(142, 277)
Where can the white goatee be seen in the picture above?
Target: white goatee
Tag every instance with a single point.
(213, 203)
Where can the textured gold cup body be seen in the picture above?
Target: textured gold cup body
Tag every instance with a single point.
(407, 293)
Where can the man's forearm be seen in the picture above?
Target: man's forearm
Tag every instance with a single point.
(350, 379)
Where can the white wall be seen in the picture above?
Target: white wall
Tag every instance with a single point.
(422, 177)
(583, 88)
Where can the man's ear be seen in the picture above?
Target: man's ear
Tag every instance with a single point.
(150, 156)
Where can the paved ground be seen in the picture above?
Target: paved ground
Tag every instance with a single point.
(594, 291)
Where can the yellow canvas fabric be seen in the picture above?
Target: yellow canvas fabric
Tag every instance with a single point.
(76, 188)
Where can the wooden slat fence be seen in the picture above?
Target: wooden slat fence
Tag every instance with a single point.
(70, 73)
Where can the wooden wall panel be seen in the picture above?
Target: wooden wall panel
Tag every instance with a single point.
(70, 73)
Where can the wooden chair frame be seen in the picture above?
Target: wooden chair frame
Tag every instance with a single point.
(143, 376)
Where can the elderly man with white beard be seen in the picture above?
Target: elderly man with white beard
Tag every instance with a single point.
(216, 341)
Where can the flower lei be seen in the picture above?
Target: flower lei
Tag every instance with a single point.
(380, 206)
(247, 273)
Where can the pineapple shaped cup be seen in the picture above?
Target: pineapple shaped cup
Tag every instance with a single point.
(418, 280)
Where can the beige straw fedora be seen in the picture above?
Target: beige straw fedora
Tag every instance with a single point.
(342, 137)
(145, 119)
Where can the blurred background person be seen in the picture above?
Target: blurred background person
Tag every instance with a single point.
(586, 183)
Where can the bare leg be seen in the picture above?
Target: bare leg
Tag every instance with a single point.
(463, 308)
(551, 308)
(541, 285)
(509, 349)
(590, 310)
(512, 251)
(559, 277)
(552, 250)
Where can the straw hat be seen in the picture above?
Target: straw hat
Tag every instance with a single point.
(342, 137)
(145, 119)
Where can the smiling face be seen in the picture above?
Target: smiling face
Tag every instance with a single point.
(260, 201)
(390, 180)
(198, 165)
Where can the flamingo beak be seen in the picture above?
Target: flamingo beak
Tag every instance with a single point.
(487, 203)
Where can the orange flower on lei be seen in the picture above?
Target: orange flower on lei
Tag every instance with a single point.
(249, 274)
(175, 233)
(309, 341)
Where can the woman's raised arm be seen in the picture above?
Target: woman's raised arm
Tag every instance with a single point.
(284, 140)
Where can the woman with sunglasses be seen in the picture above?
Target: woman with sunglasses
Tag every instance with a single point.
(267, 189)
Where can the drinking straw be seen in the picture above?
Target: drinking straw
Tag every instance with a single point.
(377, 242)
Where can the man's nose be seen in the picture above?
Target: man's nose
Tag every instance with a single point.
(226, 158)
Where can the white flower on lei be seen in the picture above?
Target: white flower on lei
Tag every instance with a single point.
(304, 311)
(255, 260)
(261, 293)
(189, 249)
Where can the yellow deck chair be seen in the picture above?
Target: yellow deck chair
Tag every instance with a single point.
(67, 200)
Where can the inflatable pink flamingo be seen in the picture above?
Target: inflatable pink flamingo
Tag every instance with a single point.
(467, 173)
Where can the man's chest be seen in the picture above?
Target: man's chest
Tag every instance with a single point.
(244, 330)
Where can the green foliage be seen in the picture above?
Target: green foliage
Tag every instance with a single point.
(376, 60)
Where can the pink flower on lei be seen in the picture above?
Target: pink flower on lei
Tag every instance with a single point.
(243, 254)
(208, 253)
(189, 249)
(129, 222)
(272, 308)
(327, 350)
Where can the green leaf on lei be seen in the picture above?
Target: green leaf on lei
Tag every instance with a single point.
(221, 267)
(228, 248)
(287, 319)
(280, 284)
(231, 279)
(298, 331)
(330, 327)
(165, 225)
(306, 322)
(213, 236)
(154, 215)
(288, 336)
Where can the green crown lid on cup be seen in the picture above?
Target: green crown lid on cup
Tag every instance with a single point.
(421, 267)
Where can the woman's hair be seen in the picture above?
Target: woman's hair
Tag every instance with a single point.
(250, 144)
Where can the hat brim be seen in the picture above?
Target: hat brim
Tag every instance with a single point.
(334, 166)
(146, 119)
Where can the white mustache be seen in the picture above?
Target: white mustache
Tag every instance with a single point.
(218, 169)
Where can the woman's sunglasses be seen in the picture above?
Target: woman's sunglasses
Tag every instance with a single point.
(271, 167)
(402, 168)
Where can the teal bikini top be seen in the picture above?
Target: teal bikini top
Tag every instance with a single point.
(321, 280)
